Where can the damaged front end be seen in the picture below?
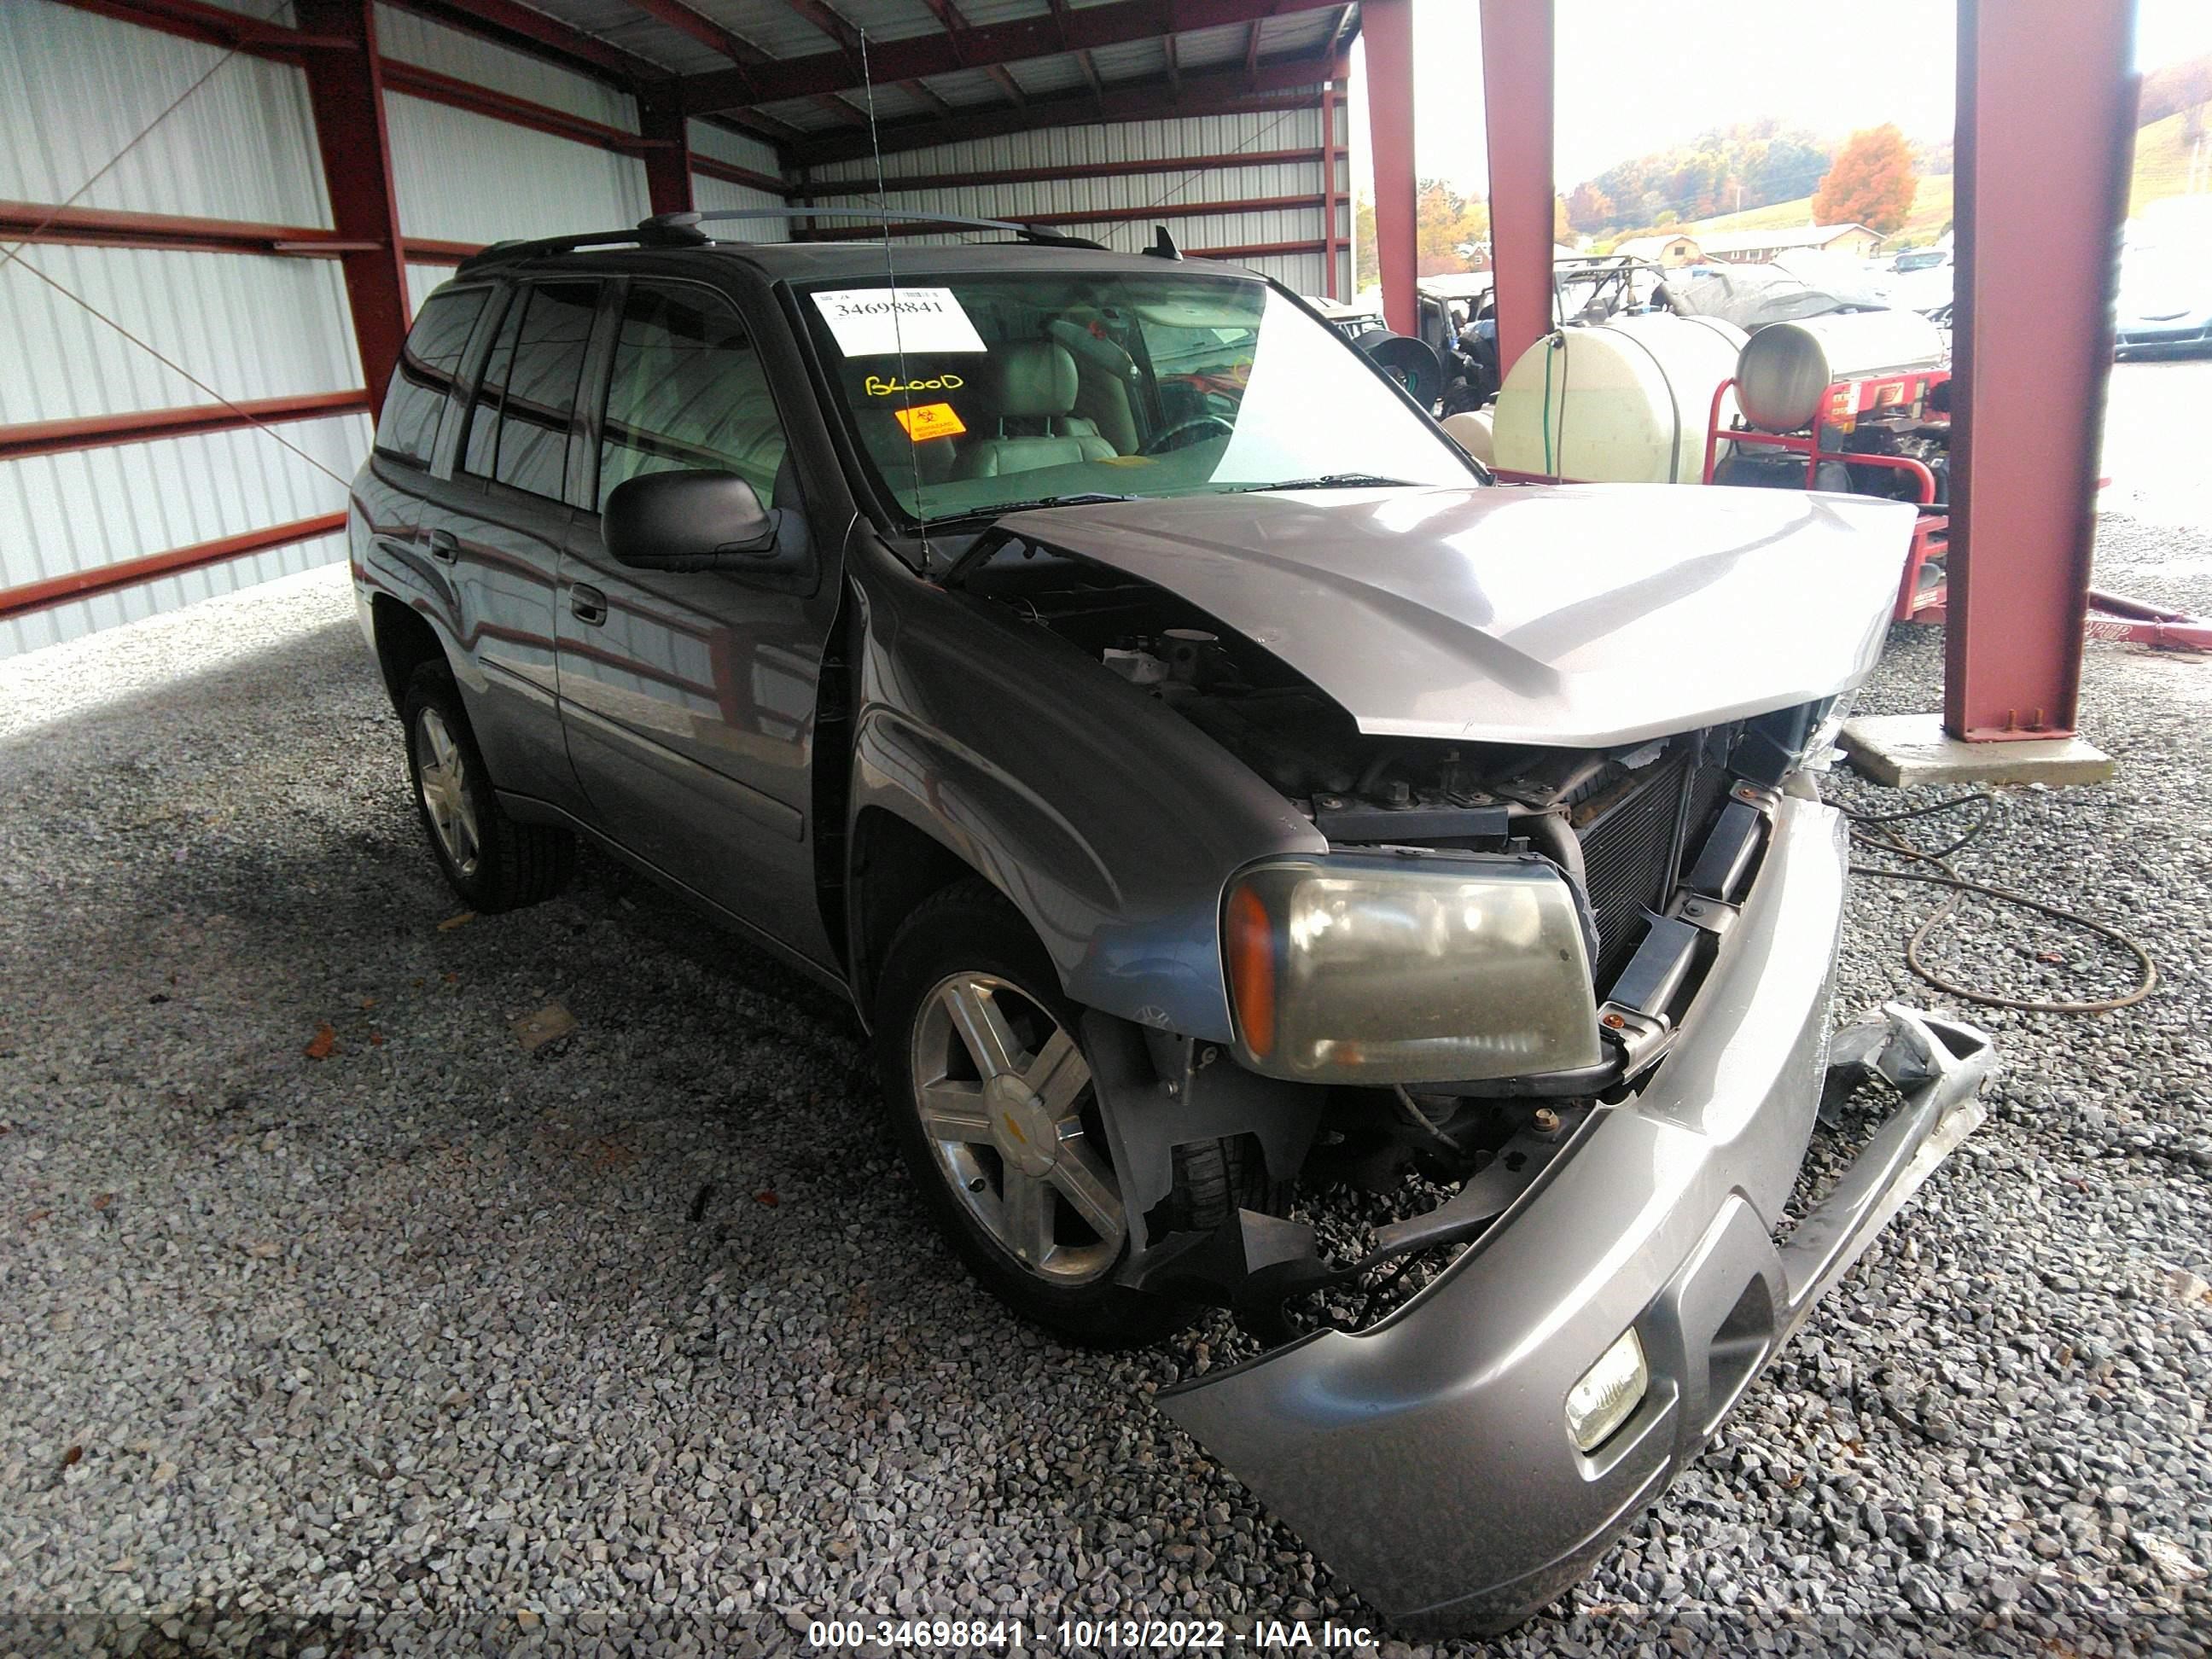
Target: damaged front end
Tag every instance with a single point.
(1606, 1281)
(1561, 941)
(1618, 1282)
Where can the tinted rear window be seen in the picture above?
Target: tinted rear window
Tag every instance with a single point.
(408, 430)
(528, 394)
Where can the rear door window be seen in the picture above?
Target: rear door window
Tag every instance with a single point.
(408, 429)
(526, 400)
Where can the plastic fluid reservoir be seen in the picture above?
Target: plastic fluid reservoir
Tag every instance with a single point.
(1623, 403)
(1781, 373)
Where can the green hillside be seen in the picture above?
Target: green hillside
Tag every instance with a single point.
(2162, 163)
(2161, 169)
(1929, 218)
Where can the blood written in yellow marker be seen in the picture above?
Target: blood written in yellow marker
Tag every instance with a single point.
(879, 387)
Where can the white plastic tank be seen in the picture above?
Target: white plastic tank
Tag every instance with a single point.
(1785, 367)
(1623, 403)
(1471, 430)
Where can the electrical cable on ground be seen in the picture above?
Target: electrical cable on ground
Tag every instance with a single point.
(1867, 831)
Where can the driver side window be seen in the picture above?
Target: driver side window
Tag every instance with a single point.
(687, 391)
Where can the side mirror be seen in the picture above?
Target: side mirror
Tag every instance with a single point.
(691, 520)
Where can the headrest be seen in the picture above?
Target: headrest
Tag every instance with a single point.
(1035, 377)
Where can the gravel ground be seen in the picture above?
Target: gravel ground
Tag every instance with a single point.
(337, 1322)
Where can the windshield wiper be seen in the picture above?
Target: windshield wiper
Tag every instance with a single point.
(1327, 481)
(997, 509)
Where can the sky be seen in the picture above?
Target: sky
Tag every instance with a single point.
(1638, 75)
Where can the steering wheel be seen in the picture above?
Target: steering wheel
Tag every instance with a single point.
(1164, 441)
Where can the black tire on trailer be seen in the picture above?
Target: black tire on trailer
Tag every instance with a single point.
(492, 862)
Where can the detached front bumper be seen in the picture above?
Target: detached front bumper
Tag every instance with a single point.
(1428, 1460)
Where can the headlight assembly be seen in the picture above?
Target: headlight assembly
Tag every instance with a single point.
(1375, 970)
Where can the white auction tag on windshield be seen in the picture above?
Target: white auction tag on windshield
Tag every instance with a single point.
(868, 323)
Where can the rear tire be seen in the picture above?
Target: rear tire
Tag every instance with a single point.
(986, 1155)
(492, 862)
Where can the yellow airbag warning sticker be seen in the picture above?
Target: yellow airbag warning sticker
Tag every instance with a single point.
(926, 421)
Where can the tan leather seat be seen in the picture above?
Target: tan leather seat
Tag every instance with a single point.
(1032, 395)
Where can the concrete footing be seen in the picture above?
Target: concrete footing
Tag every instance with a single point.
(1901, 751)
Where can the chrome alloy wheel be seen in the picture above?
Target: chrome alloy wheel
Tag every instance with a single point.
(1010, 1116)
(443, 779)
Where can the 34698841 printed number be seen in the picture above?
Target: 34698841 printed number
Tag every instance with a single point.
(1165, 1635)
(879, 322)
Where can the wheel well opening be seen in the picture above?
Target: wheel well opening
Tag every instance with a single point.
(404, 643)
(896, 867)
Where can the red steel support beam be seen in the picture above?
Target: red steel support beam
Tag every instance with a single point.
(715, 168)
(1516, 99)
(1108, 215)
(1389, 29)
(83, 227)
(702, 28)
(1250, 158)
(531, 28)
(1328, 199)
(347, 95)
(661, 120)
(106, 431)
(1116, 23)
(2046, 115)
(1227, 92)
(191, 20)
(526, 29)
(129, 573)
(418, 83)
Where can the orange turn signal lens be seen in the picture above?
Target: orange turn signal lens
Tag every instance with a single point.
(1251, 945)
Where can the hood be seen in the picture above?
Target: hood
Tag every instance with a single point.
(1577, 614)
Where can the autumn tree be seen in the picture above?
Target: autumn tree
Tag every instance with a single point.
(1445, 221)
(1871, 183)
(1589, 208)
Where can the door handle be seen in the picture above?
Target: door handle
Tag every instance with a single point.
(444, 547)
(587, 604)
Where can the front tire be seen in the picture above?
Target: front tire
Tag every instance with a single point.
(492, 862)
(994, 1111)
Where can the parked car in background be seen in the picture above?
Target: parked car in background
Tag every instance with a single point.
(2165, 298)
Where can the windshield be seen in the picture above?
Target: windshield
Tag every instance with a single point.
(1051, 386)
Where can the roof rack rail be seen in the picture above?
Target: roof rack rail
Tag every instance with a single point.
(650, 233)
(682, 230)
(1037, 233)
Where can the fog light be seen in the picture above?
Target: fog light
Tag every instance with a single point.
(1609, 1392)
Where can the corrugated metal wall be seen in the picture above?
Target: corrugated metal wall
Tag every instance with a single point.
(718, 195)
(76, 87)
(987, 159)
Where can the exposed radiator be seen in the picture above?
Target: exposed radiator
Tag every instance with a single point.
(1628, 846)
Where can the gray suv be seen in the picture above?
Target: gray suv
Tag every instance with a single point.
(1208, 784)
